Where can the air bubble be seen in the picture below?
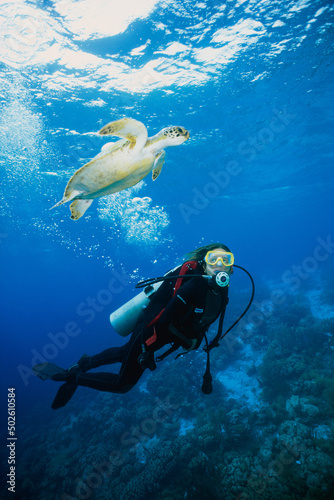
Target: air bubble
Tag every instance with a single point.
(140, 222)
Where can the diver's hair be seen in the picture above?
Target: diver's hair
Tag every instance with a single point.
(199, 253)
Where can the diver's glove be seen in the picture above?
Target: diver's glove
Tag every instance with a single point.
(146, 360)
(211, 345)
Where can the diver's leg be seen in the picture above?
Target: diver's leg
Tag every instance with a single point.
(106, 357)
(129, 375)
(130, 372)
(108, 382)
(85, 363)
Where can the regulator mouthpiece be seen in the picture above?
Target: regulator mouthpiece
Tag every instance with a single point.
(222, 279)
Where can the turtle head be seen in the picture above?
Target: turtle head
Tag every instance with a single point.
(174, 135)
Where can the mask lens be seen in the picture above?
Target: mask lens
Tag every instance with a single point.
(226, 258)
(211, 258)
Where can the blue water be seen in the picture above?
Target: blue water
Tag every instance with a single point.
(253, 84)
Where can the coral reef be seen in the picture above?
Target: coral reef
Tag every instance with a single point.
(266, 431)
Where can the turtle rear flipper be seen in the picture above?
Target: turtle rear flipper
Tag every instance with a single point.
(67, 198)
(79, 207)
(64, 200)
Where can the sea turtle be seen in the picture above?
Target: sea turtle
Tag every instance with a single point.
(120, 164)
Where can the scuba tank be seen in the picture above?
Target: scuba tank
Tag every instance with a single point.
(125, 318)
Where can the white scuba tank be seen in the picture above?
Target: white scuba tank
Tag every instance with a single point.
(125, 318)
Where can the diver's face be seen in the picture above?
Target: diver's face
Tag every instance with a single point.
(212, 270)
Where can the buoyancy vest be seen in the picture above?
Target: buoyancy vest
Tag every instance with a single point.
(186, 268)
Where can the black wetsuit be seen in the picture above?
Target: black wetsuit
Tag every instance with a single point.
(183, 323)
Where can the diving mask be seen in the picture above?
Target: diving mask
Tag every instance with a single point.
(213, 257)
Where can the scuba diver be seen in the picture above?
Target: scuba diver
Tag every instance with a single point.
(179, 313)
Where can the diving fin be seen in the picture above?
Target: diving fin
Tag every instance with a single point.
(46, 371)
(64, 394)
(50, 371)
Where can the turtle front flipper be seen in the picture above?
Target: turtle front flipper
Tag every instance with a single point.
(130, 129)
(158, 163)
(79, 207)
